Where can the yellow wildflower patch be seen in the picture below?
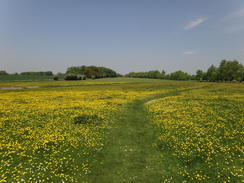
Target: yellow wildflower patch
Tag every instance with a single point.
(48, 133)
(203, 129)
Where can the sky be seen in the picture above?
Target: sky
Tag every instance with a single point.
(124, 35)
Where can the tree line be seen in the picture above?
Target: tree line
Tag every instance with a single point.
(155, 74)
(40, 73)
(227, 71)
(29, 73)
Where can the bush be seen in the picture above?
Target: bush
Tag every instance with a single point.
(87, 119)
(2, 72)
(81, 77)
(70, 76)
(55, 78)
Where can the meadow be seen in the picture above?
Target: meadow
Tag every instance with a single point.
(121, 130)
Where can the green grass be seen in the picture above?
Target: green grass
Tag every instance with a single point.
(128, 155)
(131, 154)
(7, 78)
(132, 150)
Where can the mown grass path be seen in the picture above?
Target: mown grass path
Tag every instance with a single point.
(129, 156)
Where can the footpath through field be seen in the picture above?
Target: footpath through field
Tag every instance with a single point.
(129, 155)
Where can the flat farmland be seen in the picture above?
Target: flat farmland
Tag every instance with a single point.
(121, 130)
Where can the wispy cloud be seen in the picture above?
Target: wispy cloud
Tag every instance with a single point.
(233, 28)
(234, 21)
(195, 23)
(236, 14)
(189, 52)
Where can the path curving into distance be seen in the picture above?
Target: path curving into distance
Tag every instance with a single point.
(129, 154)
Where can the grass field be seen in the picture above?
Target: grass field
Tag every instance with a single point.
(12, 78)
(121, 130)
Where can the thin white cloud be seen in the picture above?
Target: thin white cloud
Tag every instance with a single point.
(234, 21)
(189, 53)
(195, 23)
(233, 28)
(236, 14)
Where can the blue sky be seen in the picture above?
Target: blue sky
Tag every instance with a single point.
(124, 35)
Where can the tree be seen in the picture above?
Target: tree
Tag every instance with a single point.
(179, 75)
(163, 72)
(211, 74)
(153, 74)
(199, 74)
(2, 72)
(92, 71)
(230, 70)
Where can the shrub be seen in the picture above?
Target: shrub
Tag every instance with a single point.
(70, 76)
(55, 78)
(81, 77)
(87, 119)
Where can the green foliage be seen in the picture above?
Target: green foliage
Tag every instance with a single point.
(55, 78)
(70, 76)
(154, 74)
(180, 75)
(230, 70)
(2, 72)
(211, 74)
(227, 71)
(81, 77)
(87, 119)
(40, 73)
(15, 77)
(60, 74)
(200, 74)
(92, 71)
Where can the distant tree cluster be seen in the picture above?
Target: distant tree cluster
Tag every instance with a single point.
(40, 73)
(2, 72)
(82, 72)
(227, 71)
(180, 75)
(155, 74)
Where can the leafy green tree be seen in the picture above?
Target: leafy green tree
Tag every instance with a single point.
(211, 74)
(230, 70)
(163, 72)
(199, 74)
(153, 74)
(180, 75)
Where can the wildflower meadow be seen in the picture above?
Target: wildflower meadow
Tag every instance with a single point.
(58, 131)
